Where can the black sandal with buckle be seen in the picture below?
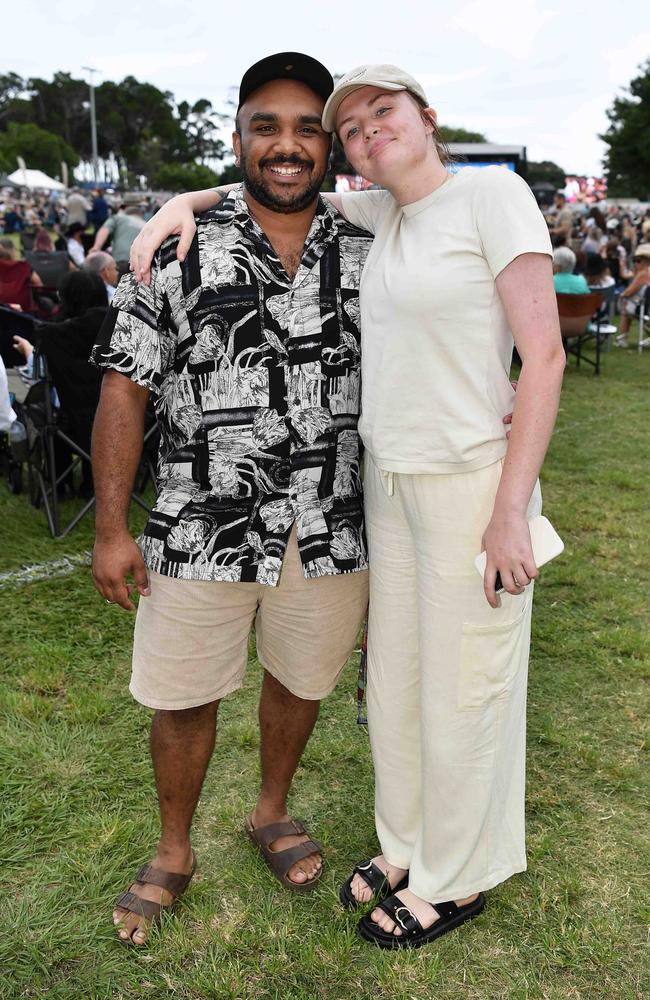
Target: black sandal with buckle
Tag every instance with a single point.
(375, 879)
(414, 935)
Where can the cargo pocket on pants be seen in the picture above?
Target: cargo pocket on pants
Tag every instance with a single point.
(491, 656)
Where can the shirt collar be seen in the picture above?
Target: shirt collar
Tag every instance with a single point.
(323, 229)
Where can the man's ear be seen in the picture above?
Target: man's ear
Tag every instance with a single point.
(236, 145)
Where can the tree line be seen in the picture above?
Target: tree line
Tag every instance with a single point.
(143, 128)
(176, 145)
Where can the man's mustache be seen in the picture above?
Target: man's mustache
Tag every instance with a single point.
(286, 161)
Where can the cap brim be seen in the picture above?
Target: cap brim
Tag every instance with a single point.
(333, 103)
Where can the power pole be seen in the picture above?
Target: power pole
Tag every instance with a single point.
(93, 120)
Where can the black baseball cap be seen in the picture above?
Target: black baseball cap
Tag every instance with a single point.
(287, 66)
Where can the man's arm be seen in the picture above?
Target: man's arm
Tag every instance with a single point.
(118, 434)
(102, 235)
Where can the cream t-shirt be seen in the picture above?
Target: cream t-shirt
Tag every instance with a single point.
(436, 347)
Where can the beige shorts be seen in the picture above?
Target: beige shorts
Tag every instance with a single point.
(191, 637)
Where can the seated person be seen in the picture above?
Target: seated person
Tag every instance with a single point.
(75, 245)
(43, 242)
(16, 278)
(564, 280)
(631, 298)
(7, 415)
(67, 346)
(104, 265)
(597, 273)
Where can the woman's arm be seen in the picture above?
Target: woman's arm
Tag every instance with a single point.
(175, 218)
(525, 287)
(634, 286)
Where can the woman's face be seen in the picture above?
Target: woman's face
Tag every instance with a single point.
(383, 132)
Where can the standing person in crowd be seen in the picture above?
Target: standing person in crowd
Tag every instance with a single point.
(99, 212)
(628, 235)
(121, 228)
(447, 662)
(256, 379)
(561, 221)
(104, 265)
(75, 244)
(564, 280)
(632, 297)
(77, 209)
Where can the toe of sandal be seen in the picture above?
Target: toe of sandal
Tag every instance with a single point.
(414, 935)
(173, 882)
(375, 879)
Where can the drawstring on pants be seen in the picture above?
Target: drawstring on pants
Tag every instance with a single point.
(387, 482)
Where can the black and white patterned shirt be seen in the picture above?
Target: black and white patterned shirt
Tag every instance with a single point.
(257, 391)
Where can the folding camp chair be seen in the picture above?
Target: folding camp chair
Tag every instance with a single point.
(579, 324)
(50, 267)
(53, 455)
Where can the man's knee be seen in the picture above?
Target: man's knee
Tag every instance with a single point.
(194, 716)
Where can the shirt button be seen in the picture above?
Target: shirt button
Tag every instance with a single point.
(294, 496)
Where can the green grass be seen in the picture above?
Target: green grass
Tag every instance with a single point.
(78, 815)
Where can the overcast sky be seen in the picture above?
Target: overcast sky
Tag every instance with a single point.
(536, 72)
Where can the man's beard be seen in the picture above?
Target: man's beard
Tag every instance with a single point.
(258, 188)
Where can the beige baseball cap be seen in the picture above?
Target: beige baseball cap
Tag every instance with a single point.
(381, 75)
(643, 250)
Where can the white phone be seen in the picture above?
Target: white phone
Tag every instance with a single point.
(545, 541)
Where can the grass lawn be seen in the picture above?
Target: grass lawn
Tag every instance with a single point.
(78, 814)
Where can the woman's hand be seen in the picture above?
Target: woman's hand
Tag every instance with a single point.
(23, 347)
(175, 218)
(509, 552)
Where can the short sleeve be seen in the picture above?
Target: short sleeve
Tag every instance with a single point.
(508, 220)
(110, 223)
(365, 209)
(138, 337)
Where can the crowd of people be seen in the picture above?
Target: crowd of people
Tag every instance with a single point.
(54, 260)
(602, 247)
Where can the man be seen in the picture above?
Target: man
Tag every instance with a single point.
(104, 265)
(99, 211)
(78, 208)
(251, 348)
(561, 221)
(122, 229)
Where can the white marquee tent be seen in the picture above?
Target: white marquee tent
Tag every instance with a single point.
(36, 179)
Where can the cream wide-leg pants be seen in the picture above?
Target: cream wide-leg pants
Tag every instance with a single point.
(447, 678)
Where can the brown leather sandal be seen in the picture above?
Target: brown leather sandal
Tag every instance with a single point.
(281, 861)
(173, 882)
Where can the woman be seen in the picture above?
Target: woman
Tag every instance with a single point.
(458, 262)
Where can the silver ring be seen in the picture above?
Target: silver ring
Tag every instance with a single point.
(109, 602)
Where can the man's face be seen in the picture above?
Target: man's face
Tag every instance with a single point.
(282, 148)
(110, 274)
(559, 201)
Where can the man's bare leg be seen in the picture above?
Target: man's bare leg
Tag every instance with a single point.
(286, 723)
(181, 747)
